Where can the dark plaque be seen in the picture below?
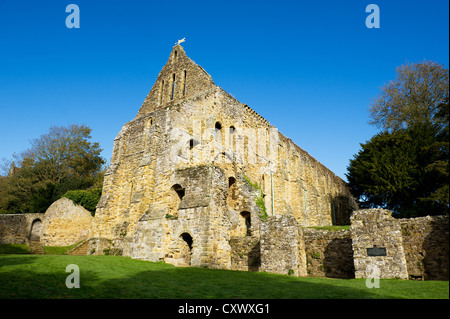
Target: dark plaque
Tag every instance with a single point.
(376, 251)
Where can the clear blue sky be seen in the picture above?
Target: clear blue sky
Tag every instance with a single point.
(309, 67)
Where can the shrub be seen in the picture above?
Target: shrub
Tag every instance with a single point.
(86, 198)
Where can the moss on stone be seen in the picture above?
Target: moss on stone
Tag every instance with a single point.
(259, 200)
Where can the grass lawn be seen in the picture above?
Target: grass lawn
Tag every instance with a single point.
(44, 276)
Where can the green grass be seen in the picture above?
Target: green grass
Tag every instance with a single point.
(58, 250)
(14, 249)
(34, 276)
(25, 249)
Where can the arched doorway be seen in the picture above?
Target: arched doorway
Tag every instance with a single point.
(35, 237)
(186, 248)
(35, 232)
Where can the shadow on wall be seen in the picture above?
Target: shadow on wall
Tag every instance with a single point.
(436, 249)
(254, 257)
(338, 259)
(341, 209)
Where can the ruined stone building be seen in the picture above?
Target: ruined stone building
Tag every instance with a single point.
(196, 172)
(199, 179)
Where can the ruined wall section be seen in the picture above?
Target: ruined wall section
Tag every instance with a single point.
(329, 253)
(308, 190)
(128, 184)
(15, 228)
(204, 125)
(201, 216)
(65, 223)
(377, 245)
(282, 246)
(426, 245)
(302, 186)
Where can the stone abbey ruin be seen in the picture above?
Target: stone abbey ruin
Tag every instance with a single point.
(199, 179)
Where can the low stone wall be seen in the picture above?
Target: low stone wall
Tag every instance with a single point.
(15, 228)
(245, 253)
(329, 253)
(63, 224)
(426, 245)
(377, 245)
(282, 246)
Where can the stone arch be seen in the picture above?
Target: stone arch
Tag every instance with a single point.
(232, 195)
(232, 138)
(218, 132)
(245, 223)
(231, 181)
(176, 194)
(35, 230)
(186, 248)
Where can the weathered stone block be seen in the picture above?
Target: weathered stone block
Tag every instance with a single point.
(372, 228)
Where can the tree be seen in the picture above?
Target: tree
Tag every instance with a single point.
(413, 97)
(405, 167)
(65, 152)
(61, 160)
(394, 171)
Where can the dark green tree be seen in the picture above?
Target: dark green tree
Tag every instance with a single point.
(398, 171)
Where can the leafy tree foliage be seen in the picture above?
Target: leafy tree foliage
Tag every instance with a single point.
(61, 160)
(400, 171)
(86, 198)
(414, 96)
(405, 167)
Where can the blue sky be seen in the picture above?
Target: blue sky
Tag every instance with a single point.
(309, 67)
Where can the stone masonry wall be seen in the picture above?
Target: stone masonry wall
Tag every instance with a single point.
(65, 223)
(377, 245)
(178, 131)
(245, 253)
(185, 124)
(15, 228)
(196, 231)
(282, 246)
(329, 253)
(426, 245)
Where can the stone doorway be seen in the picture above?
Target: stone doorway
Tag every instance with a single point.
(35, 237)
(186, 248)
(35, 232)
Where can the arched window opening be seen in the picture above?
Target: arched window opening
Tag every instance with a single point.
(184, 83)
(218, 132)
(231, 181)
(247, 222)
(173, 87)
(231, 141)
(193, 143)
(179, 190)
(161, 92)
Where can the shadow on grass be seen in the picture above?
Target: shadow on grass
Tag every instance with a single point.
(191, 283)
(175, 283)
(119, 277)
(13, 261)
